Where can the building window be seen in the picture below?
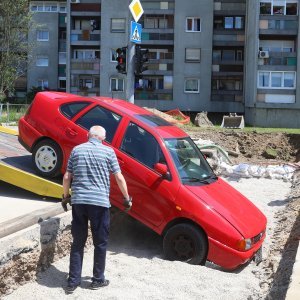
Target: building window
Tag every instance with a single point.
(62, 58)
(289, 79)
(118, 25)
(116, 84)
(234, 22)
(86, 54)
(276, 80)
(193, 24)
(43, 7)
(42, 35)
(192, 54)
(279, 7)
(62, 84)
(191, 85)
(42, 61)
(42, 83)
(113, 55)
(62, 8)
(264, 79)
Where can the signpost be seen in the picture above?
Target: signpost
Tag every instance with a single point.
(137, 11)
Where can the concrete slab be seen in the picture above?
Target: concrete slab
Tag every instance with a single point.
(15, 202)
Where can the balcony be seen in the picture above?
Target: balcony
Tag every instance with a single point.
(145, 94)
(85, 91)
(279, 59)
(155, 7)
(85, 38)
(166, 37)
(85, 9)
(278, 27)
(219, 61)
(85, 66)
(226, 38)
(227, 96)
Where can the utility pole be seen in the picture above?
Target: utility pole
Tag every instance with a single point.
(130, 72)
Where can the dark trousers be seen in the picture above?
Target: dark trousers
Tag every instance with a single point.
(99, 218)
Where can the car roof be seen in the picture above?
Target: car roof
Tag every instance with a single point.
(166, 130)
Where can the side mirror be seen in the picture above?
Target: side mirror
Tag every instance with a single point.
(162, 169)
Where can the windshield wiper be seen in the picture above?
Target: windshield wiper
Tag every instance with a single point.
(208, 179)
(191, 179)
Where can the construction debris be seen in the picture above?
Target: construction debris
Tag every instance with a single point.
(202, 120)
(161, 114)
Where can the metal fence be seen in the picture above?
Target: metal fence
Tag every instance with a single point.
(10, 113)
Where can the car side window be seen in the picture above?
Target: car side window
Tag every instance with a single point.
(141, 145)
(103, 117)
(69, 110)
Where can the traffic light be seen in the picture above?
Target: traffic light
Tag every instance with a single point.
(121, 59)
(141, 57)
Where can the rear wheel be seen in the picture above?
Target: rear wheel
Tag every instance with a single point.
(47, 158)
(185, 242)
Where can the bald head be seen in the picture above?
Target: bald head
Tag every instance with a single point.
(97, 132)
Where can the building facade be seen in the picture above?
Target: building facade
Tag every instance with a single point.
(204, 55)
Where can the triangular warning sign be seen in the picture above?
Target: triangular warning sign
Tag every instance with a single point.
(136, 35)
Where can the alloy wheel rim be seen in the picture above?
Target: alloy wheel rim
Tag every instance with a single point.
(46, 159)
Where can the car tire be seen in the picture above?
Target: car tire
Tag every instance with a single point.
(185, 242)
(47, 158)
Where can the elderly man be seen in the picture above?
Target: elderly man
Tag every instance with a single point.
(89, 167)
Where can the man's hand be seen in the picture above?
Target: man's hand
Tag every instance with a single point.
(127, 203)
(65, 201)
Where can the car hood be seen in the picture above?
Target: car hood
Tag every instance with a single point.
(233, 206)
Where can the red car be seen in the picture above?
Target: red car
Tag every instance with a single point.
(175, 191)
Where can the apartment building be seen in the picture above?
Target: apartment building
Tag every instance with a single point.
(272, 90)
(204, 55)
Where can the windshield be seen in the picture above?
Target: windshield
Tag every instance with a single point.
(189, 161)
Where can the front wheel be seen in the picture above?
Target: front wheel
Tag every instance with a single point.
(47, 158)
(185, 242)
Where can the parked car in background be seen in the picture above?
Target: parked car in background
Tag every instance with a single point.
(175, 192)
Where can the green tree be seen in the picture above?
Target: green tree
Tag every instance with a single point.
(15, 24)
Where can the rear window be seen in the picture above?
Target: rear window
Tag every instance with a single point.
(71, 109)
(153, 120)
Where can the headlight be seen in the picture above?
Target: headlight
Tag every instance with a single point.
(244, 244)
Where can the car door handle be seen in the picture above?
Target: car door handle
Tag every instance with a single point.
(71, 132)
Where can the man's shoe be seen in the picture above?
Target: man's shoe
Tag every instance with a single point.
(95, 285)
(70, 289)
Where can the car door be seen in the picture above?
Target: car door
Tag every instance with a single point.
(77, 130)
(153, 197)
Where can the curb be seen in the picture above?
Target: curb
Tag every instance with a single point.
(293, 292)
(8, 130)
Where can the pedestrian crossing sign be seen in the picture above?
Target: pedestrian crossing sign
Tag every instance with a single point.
(136, 32)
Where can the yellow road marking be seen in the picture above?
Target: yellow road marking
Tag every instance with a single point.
(8, 130)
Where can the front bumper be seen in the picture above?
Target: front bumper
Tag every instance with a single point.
(229, 258)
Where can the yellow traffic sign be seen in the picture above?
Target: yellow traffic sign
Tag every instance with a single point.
(136, 9)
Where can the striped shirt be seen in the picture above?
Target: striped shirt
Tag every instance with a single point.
(91, 164)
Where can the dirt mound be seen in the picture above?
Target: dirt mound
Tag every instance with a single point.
(252, 146)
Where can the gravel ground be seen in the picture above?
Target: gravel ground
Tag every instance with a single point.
(137, 270)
